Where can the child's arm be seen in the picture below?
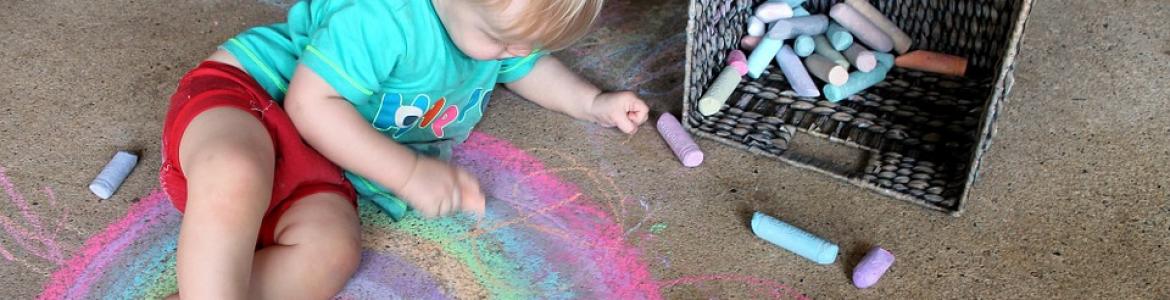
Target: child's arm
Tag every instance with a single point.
(553, 86)
(333, 127)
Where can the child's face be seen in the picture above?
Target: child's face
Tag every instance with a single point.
(476, 29)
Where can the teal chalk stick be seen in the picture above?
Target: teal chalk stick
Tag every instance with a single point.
(763, 55)
(794, 239)
(804, 45)
(798, 11)
(838, 36)
(859, 81)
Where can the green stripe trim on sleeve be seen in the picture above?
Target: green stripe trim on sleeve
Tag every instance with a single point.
(339, 71)
(263, 67)
(535, 54)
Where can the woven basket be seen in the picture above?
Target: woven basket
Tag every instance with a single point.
(917, 137)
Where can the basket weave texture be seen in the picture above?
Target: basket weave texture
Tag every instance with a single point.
(921, 136)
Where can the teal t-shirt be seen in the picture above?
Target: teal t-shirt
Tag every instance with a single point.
(393, 60)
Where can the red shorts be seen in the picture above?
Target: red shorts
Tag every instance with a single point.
(300, 170)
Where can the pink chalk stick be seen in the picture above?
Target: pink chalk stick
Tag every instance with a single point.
(736, 59)
(749, 43)
(679, 140)
(872, 267)
(861, 27)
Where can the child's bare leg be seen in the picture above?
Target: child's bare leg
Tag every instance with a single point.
(227, 157)
(319, 248)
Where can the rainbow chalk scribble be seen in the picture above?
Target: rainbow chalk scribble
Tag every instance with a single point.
(541, 238)
(34, 237)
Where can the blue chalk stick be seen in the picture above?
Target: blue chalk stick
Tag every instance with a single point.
(794, 239)
(804, 45)
(795, 73)
(784, 29)
(762, 56)
(859, 81)
(838, 36)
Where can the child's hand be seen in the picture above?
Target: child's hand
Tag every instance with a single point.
(622, 109)
(436, 188)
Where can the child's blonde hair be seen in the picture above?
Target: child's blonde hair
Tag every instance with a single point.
(553, 24)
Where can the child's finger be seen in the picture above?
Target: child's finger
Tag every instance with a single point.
(473, 199)
(640, 112)
(625, 124)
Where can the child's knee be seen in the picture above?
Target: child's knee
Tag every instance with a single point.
(235, 162)
(226, 139)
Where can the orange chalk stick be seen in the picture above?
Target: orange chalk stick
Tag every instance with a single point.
(933, 62)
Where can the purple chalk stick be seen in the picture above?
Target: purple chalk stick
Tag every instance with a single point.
(862, 28)
(679, 140)
(872, 267)
(795, 73)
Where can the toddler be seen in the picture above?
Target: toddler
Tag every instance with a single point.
(269, 142)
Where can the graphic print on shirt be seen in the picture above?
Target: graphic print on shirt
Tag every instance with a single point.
(399, 116)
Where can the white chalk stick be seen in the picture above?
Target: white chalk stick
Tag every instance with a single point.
(826, 70)
(860, 58)
(112, 176)
(756, 27)
(771, 11)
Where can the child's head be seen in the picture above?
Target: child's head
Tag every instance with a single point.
(497, 29)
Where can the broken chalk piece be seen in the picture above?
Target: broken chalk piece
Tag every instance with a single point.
(838, 36)
(784, 29)
(755, 27)
(112, 176)
(679, 140)
(795, 73)
(826, 70)
(859, 81)
(771, 11)
(860, 58)
(762, 56)
(900, 39)
(826, 49)
(724, 84)
(804, 45)
(872, 267)
(794, 239)
(933, 62)
(863, 30)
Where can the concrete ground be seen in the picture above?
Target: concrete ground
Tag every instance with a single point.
(1072, 201)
